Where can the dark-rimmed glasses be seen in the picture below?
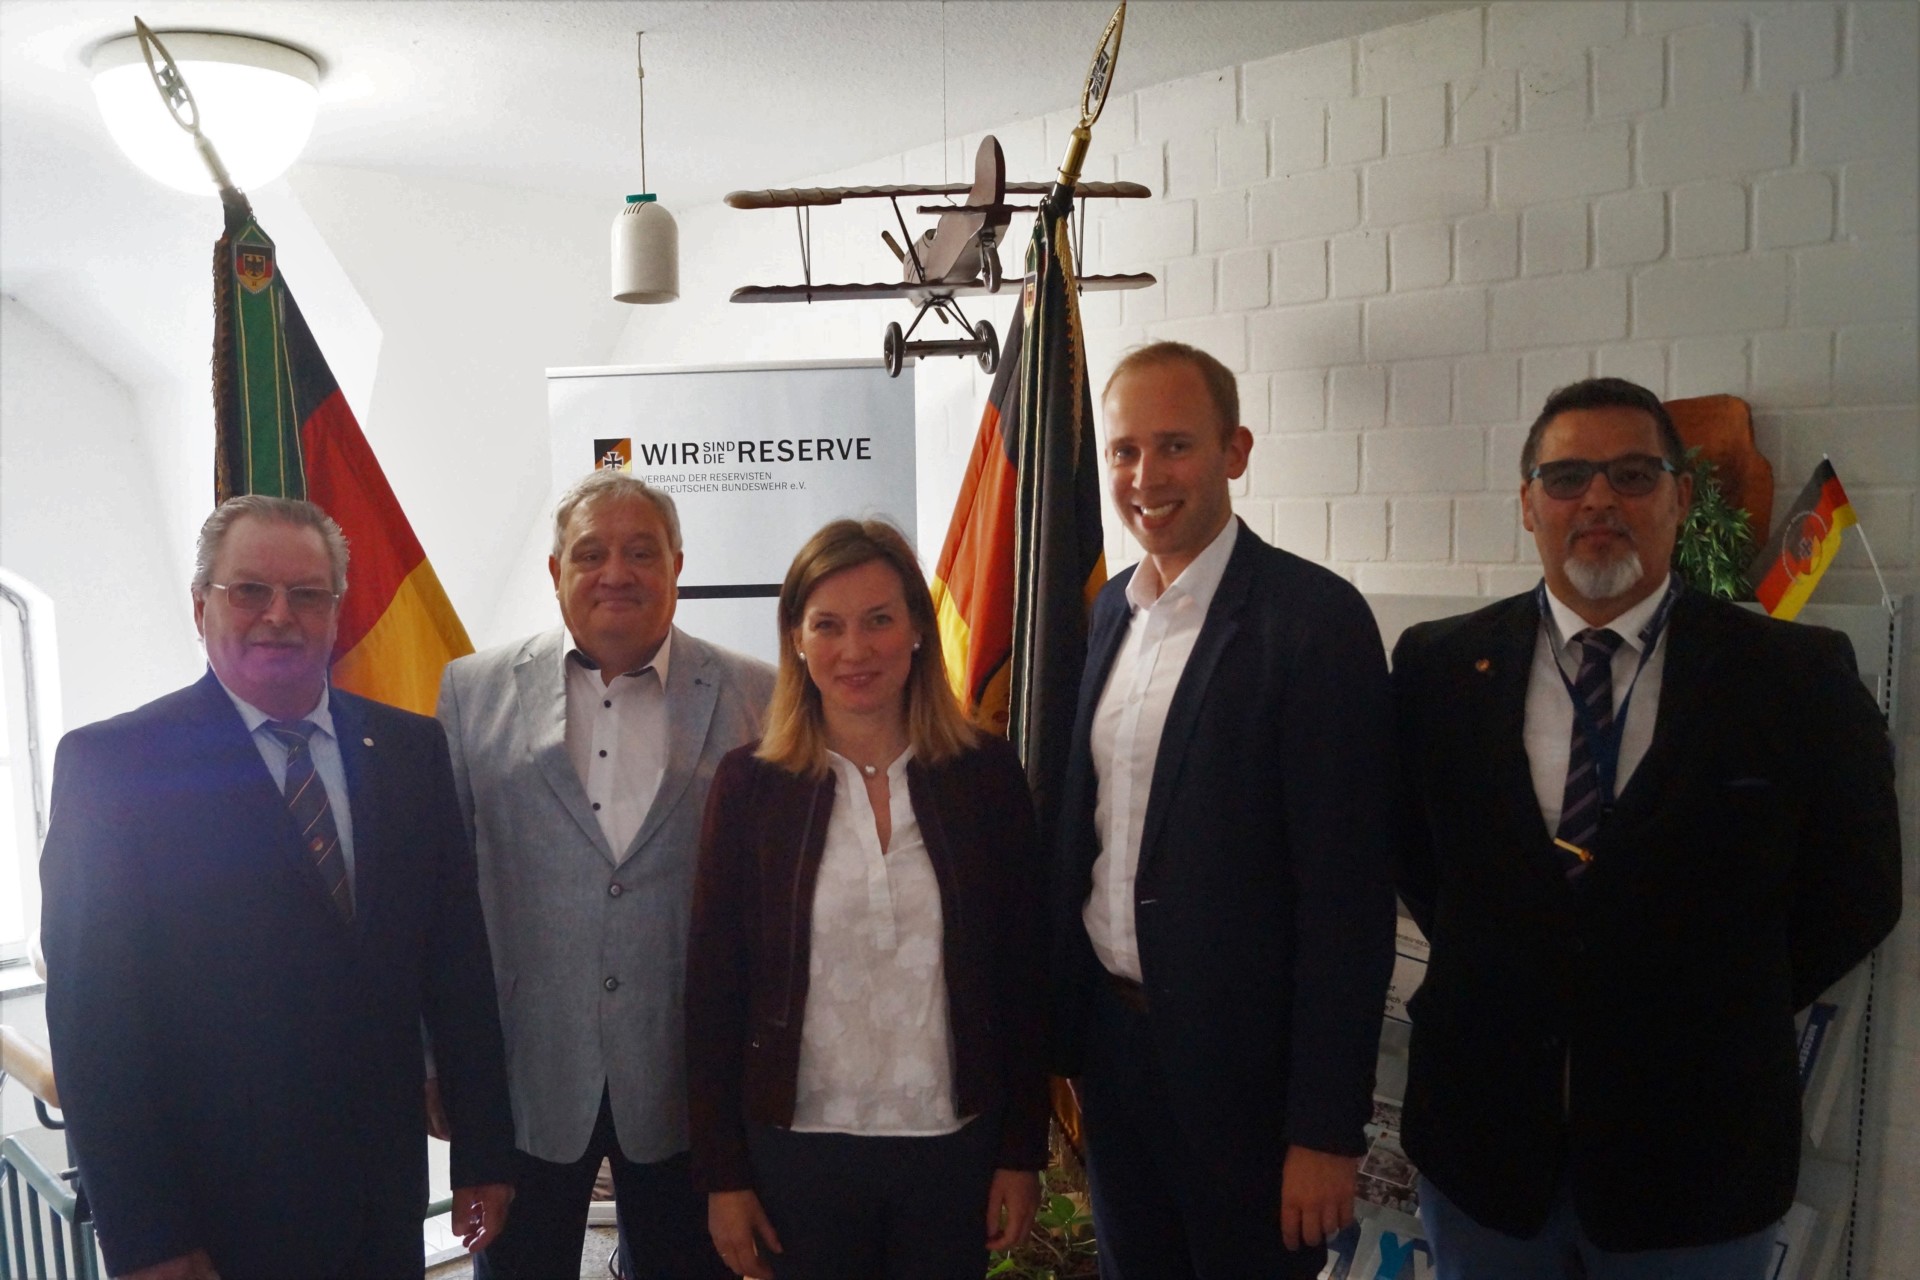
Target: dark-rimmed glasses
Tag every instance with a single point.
(257, 597)
(1633, 475)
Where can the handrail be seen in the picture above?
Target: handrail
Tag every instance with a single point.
(30, 1064)
(52, 1189)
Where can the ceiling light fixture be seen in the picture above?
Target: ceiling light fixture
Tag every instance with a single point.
(646, 241)
(256, 101)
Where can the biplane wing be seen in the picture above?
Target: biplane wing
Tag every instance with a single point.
(799, 197)
(957, 257)
(901, 289)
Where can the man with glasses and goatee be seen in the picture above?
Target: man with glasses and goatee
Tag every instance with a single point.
(257, 890)
(1646, 827)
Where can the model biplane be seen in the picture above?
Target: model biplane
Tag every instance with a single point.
(959, 256)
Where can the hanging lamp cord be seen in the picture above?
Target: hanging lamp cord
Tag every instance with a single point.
(640, 65)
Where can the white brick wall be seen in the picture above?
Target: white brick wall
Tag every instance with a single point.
(1357, 397)
(1417, 119)
(1530, 35)
(1422, 256)
(1359, 263)
(1553, 238)
(1553, 166)
(1311, 205)
(1589, 307)
(1404, 241)
(1437, 323)
(1420, 53)
(1430, 186)
(1356, 130)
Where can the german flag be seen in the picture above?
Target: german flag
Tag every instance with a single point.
(1059, 562)
(973, 581)
(1787, 570)
(284, 429)
(1024, 555)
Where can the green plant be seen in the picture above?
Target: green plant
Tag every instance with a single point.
(1716, 540)
(1061, 1245)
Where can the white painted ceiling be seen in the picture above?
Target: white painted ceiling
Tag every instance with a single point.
(543, 95)
(739, 92)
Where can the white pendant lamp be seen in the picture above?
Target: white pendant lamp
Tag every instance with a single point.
(256, 102)
(646, 241)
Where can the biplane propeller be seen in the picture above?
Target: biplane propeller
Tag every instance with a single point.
(959, 256)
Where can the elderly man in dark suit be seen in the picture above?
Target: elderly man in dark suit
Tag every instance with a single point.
(1222, 908)
(256, 890)
(1647, 827)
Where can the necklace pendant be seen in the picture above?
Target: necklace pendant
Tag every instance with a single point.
(869, 769)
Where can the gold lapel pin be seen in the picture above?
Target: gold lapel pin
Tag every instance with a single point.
(1573, 849)
(1483, 665)
(366, 742)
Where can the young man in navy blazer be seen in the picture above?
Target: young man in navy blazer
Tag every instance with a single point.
(1223, 916)
(1647, 826)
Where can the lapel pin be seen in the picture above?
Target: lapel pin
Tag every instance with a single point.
(1483, 665)
(366, 742)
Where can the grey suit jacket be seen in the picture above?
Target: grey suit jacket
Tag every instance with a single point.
(589, 943)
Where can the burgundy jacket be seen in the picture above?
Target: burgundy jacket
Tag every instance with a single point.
(747, 956)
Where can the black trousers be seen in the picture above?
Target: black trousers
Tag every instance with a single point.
(856, 1208)
(386, 1246)
(1165, 1207)
(377, 1239)
(663, 1220)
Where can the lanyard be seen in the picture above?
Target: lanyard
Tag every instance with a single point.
(1605, 740)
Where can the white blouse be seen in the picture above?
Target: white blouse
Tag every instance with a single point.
(876, 1055)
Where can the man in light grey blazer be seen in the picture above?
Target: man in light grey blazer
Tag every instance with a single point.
(582, 757)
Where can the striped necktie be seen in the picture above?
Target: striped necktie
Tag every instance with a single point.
(1580, 807)
(312, 814)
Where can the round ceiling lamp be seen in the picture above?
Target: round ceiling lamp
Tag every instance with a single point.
(256, 99)
(646, 239)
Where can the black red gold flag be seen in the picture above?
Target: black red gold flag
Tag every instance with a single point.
(1059, 558)
(973, 581)
(283, 428)
(1789, 567)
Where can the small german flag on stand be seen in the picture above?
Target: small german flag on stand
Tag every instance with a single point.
(283, 428)
(1786, 571)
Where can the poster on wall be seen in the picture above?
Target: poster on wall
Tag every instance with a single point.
(757, 457)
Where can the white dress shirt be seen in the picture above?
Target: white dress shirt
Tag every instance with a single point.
(617, 740)
(876, 1054)
(323, 747)
(1125, 736)
(1549, 711)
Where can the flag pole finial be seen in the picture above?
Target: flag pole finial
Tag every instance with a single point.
(1093, 96)
(178, 97)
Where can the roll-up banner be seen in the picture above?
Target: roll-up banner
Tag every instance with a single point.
(757, 457)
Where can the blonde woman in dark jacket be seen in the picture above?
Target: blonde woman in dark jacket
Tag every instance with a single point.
(865, 976)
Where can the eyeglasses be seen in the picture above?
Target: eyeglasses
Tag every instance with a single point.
(257, 597)
(1631, 476)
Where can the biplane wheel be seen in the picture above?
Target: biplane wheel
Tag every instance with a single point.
(894, 349)
(990, 265)
(989, 354)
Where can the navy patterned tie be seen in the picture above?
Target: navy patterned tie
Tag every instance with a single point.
(1593, 689)
(312, 814)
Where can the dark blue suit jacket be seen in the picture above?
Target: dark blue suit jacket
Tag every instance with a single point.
(1263, 901)
(1632, 1033)
(241, 1070)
